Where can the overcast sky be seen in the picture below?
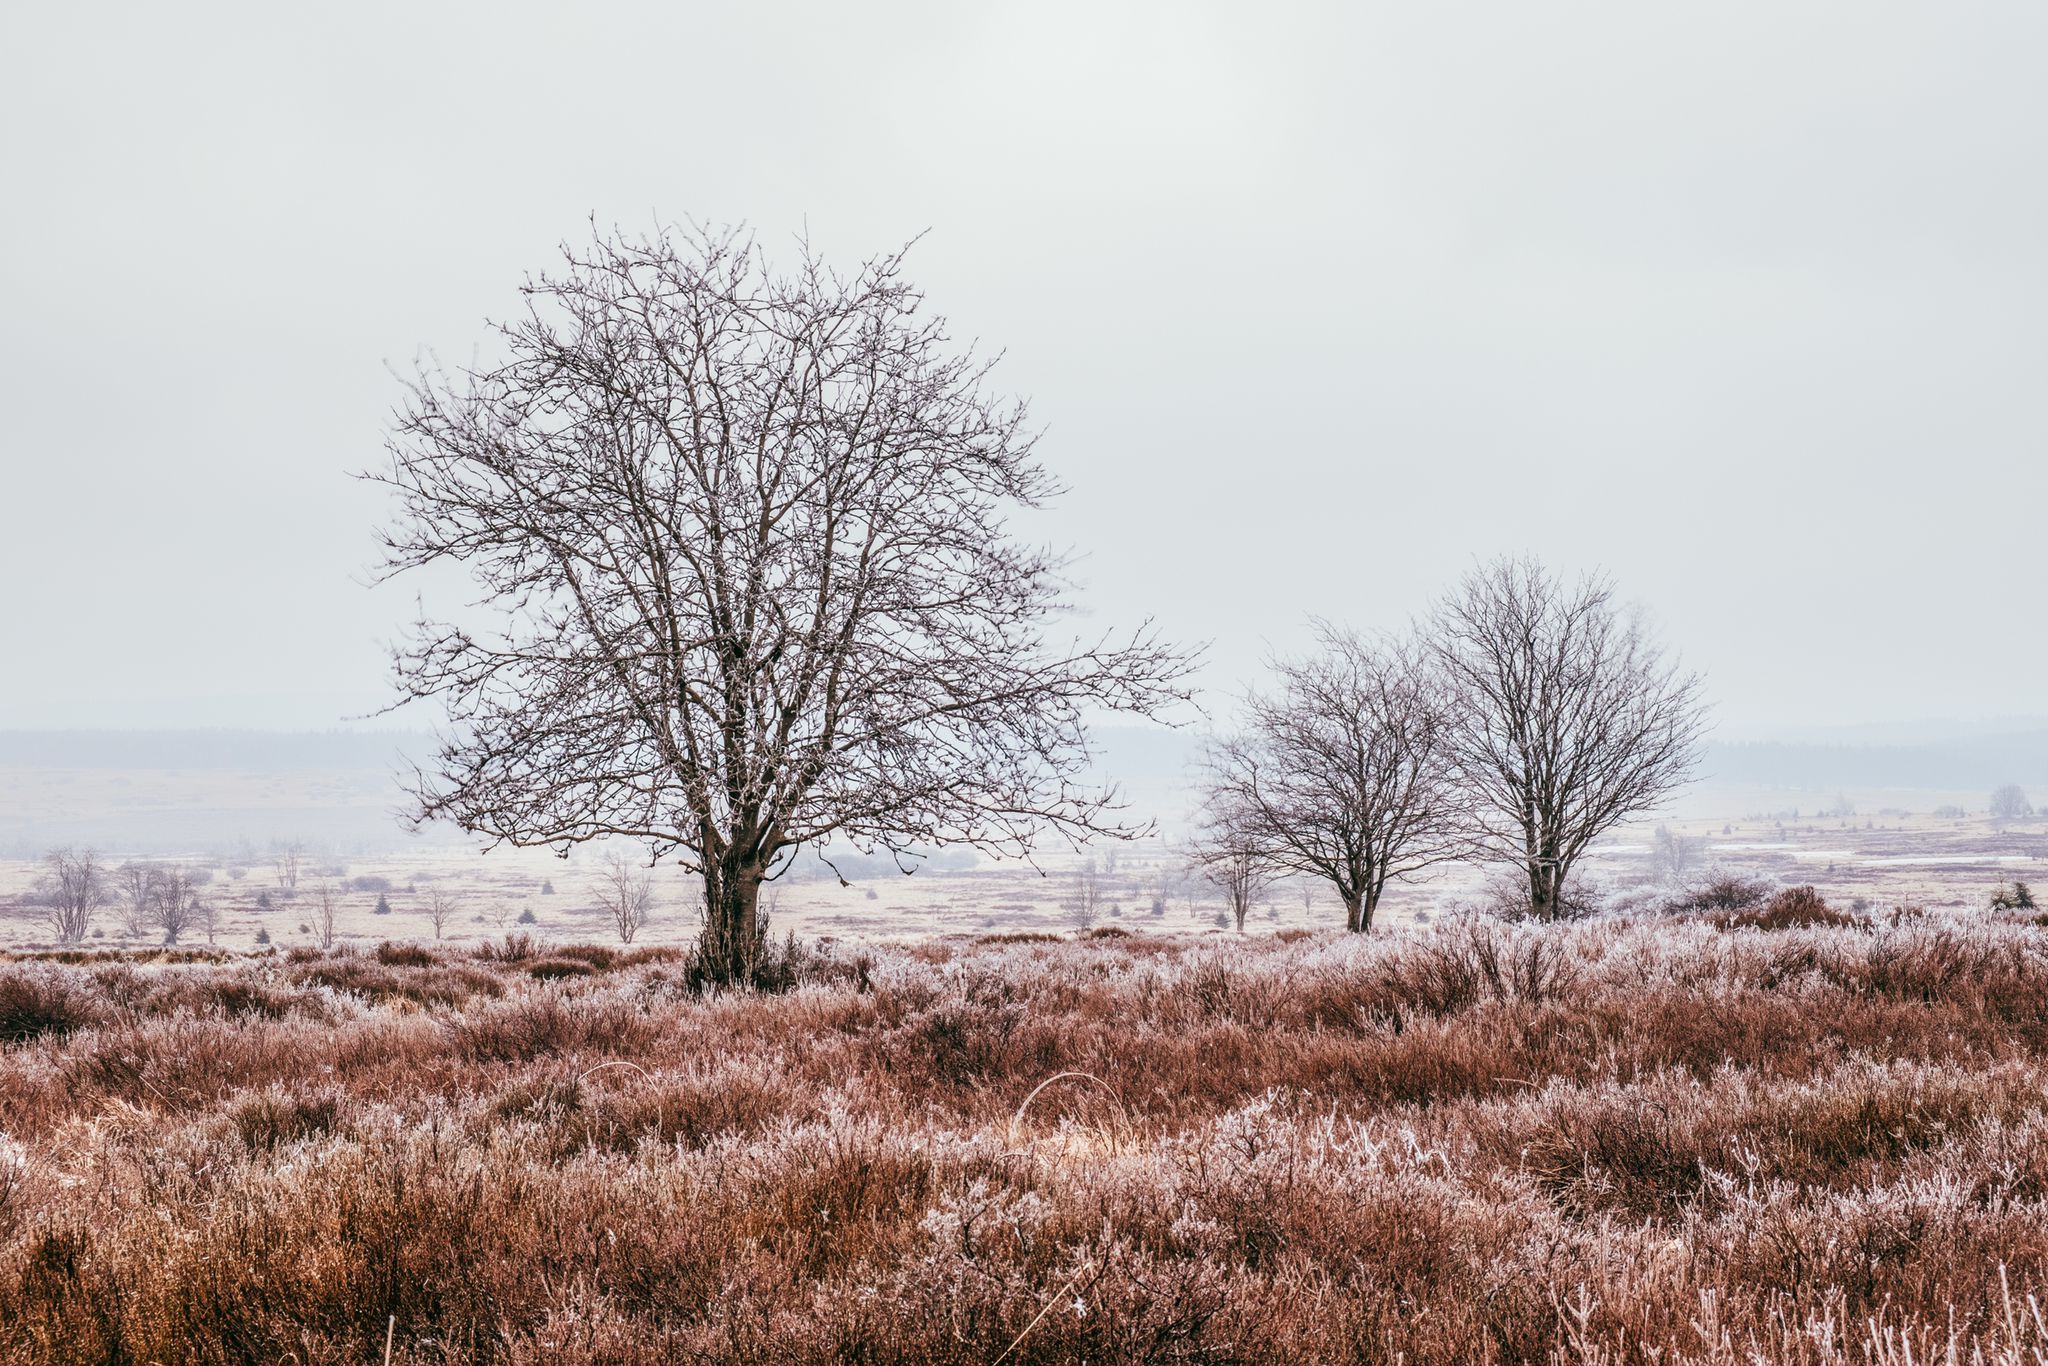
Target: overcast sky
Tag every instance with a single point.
(1745, 302)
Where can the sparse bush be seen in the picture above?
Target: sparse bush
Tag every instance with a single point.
(1721, 892)
(2014, 897)
(1793, 908)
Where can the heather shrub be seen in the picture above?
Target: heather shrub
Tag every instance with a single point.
(39, 1002)
(1792, 908)
(1604, 1141)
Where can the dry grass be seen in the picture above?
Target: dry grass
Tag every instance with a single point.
(1603, 1142)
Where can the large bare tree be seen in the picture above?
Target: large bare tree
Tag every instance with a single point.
(1571, 716)
(747, 584)
(1342, 772)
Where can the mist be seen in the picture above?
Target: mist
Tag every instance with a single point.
(1317, 305)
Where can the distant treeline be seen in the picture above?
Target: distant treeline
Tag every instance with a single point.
(1970, 763)
(249, 750)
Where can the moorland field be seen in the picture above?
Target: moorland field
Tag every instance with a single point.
(1789, 1133)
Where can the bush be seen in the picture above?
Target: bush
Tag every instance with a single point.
(527, 917)
(1722, 892)
(1793, 908)
(371, 884)
(2016, 897)
(383, 906)
(34, 1004)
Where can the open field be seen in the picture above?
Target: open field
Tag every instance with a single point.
(1894, 852)
(1612, 1141)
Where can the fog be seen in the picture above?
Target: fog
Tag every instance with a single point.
(1741, 302)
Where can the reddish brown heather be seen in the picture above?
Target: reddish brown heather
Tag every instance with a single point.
(1608, 1142)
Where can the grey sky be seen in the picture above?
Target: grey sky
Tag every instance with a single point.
(1746, 302)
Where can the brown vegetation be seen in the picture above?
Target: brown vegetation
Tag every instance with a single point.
(1592, 1142)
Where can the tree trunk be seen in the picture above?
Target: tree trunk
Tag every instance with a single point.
(1357, 919)
(1546, 887)
(731, 945)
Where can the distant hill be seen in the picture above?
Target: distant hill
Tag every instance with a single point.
(1965, 763)
(259, 751)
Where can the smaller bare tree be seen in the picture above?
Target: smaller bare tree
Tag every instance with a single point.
(174, 906)
(2009, 803)
(1674, 855)
(440, 909)
(289, 858)
(1234, 861)
(211, 918)
(1084, 906)
(136, 884)
(326, 905)
(626, 892)
(1343, 773)
(77, 886)
(1570, 717)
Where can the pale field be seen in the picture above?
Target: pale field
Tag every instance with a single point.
(1880, 857)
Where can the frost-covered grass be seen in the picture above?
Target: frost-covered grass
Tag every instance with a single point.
(1605, 1142)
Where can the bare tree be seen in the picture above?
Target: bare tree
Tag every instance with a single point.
(174, 906)
(1570, 716)
(211, 917)
(440, 909)
(288, 860)
(626, 891)
(77, 886)
(1673, 855)
(1084, 906)
(1343, 773)
(1233, 859)
(326, 906)
(2009, 803)
(136, 883)
(746, 535)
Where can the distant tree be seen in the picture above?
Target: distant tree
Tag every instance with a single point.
(326, 914)
(1673, 855)
(136, 885)
(288, 859)
(440, 907)
(1570, 717)
(211, 917)
(73, 892)
(1343, 773)
(749, 533)
(383, 906)
(174, 906)
(2009, 803)
(1234, 860)
(1084, 904)
(626, 891)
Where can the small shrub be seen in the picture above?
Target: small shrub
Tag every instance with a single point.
(517, 948)
(383, 906)
(262, 936)
(404, 956)
(527, 917)
(34, 1004)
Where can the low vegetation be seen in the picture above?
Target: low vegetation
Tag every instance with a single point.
(1749, 1134)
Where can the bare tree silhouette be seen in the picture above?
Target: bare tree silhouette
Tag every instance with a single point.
(1343, 773)
(743, 535)
(1570, 716)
